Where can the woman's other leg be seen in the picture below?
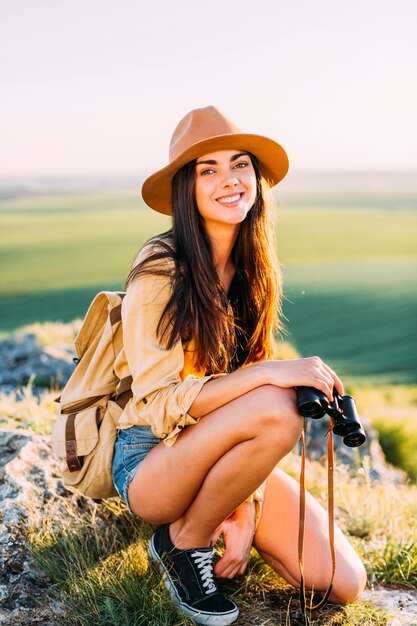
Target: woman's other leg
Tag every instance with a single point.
(216, 464)
(276, 540)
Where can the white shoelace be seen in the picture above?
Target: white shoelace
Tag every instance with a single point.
(205, 566)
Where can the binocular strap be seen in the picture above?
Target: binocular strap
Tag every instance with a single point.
(302, 616)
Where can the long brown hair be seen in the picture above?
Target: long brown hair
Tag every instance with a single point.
(199, 308)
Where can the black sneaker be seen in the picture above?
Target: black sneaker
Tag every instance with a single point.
(188, 576)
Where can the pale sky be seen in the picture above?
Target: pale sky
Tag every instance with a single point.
(98, 86)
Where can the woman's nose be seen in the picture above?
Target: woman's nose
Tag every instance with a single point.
(230, 180)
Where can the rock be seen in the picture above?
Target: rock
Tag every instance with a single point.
(26, 597)
(22, 359)
(4, 593)
(379, 470)
(400, 605)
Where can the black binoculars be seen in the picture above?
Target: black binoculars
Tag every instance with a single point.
(346, 423)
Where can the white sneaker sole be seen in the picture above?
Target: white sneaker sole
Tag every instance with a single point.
(199, 617)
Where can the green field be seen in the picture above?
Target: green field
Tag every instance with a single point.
(350, 273)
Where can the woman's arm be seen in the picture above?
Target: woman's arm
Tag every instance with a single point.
(311, 372)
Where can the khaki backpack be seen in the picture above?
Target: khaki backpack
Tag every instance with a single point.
(92, 401)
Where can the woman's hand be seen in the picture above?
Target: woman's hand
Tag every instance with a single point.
(309, 372)
(238, 530)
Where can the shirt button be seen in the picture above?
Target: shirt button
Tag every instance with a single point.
(145, 400)
(180, 426)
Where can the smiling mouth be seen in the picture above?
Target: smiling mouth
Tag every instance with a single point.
(230, 199)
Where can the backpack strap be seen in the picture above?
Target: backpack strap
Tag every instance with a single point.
(116, 312)
(123, 396)
(124, 391)
(73, 461)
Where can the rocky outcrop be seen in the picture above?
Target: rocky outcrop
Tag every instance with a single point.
(401, 605)
(23, 359)
(28, 479)
(379, 470)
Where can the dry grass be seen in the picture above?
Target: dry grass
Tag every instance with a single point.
(97, 554)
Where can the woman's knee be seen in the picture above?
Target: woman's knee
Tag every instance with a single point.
(351, 586)
(149, 510)
(276, 412)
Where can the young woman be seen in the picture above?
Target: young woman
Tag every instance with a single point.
(212, 413)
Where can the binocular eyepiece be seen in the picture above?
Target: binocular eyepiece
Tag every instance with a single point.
(346, 422)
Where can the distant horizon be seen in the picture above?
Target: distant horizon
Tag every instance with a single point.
(388, 189)
(142, 174)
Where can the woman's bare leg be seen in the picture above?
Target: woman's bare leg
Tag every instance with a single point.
(276, 540)
(216, 464)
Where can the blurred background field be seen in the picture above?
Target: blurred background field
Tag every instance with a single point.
(347, 244)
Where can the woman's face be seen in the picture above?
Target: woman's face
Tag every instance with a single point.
(225, 187)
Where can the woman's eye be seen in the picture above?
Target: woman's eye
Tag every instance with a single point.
(241, 164)
(208, 171)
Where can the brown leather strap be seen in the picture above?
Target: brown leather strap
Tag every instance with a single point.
(72, 459)
(301, 524)
(76, 407)
(124, 391)
(124, 385)
(301, 531)
(116, 314)
(124, 398)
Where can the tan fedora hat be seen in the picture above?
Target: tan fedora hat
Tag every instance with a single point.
(207, 130)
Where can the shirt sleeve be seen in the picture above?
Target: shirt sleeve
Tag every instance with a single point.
(161, 398)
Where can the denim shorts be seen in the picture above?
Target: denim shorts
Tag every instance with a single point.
(131, 447)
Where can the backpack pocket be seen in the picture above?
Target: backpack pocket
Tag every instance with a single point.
(84, 445)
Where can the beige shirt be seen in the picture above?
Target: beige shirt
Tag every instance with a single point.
(165, 382)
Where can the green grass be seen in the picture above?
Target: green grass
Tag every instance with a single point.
(71, 248)
(99, 559)
(398, 439)
(392, 411)
(97, 555)
(342, 234)
(66, 250)
(360, 317)
(350, 274)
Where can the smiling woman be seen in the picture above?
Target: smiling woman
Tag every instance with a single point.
(212, 413)
(226, 191)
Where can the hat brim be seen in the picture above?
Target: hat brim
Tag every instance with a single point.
(273, 162)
